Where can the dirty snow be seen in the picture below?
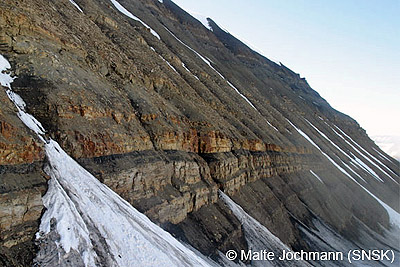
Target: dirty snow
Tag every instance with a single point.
(124, 11)
(258, 236)
(88, 214)
(86, 203)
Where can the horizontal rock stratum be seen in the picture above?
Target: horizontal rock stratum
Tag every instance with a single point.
(166, 112)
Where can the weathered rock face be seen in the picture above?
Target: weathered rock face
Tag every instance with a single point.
(166, 129)
(164, 185)
(22, 185)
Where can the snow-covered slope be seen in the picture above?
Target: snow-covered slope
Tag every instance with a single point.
(258, 236)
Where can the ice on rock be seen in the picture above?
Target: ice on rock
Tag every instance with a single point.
(208, 62)
(316, 176)
(90, 219)
(367, 155)
(353, 159)
(131, 238)
(76, 5)
(393, 215)
(258, 236)
(27, 119)
(124, 11)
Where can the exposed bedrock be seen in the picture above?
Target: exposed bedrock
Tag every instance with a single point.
(170, 184)
(22, 184)
(165, 129)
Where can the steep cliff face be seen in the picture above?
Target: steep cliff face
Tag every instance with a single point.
(166, 112)
(22, 183)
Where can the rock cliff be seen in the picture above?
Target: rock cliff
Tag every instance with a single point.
(166, 113)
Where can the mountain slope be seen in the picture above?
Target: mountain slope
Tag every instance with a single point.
(389, 144)
(166, 112)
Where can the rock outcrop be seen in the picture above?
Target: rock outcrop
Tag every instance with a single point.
(167, 122)
(22, 184)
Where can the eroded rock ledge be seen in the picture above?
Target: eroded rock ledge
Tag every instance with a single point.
(167, 185)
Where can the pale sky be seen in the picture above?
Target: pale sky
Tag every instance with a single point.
(348, 50)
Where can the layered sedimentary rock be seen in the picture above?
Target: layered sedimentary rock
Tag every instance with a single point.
(167, 122)
(22, 184)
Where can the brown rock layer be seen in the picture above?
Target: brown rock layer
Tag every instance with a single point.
(22, 185)
(166, 139)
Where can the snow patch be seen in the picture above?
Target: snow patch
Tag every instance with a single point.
(304, 135)
(27, 119)
(76, 5)
(242, 95)
(355, 161)
(257, 235)
(316, 176)
(169, 64)
(270, 124)
(326, 155)
(382, 156)
(394, 215)
(166, 61)
(188, 47)
(5, 78)
(366, 152)
(124, 11)
(209, 64)
(87, 214)
(184, 66)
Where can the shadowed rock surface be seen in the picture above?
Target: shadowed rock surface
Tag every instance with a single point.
(161, 122)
